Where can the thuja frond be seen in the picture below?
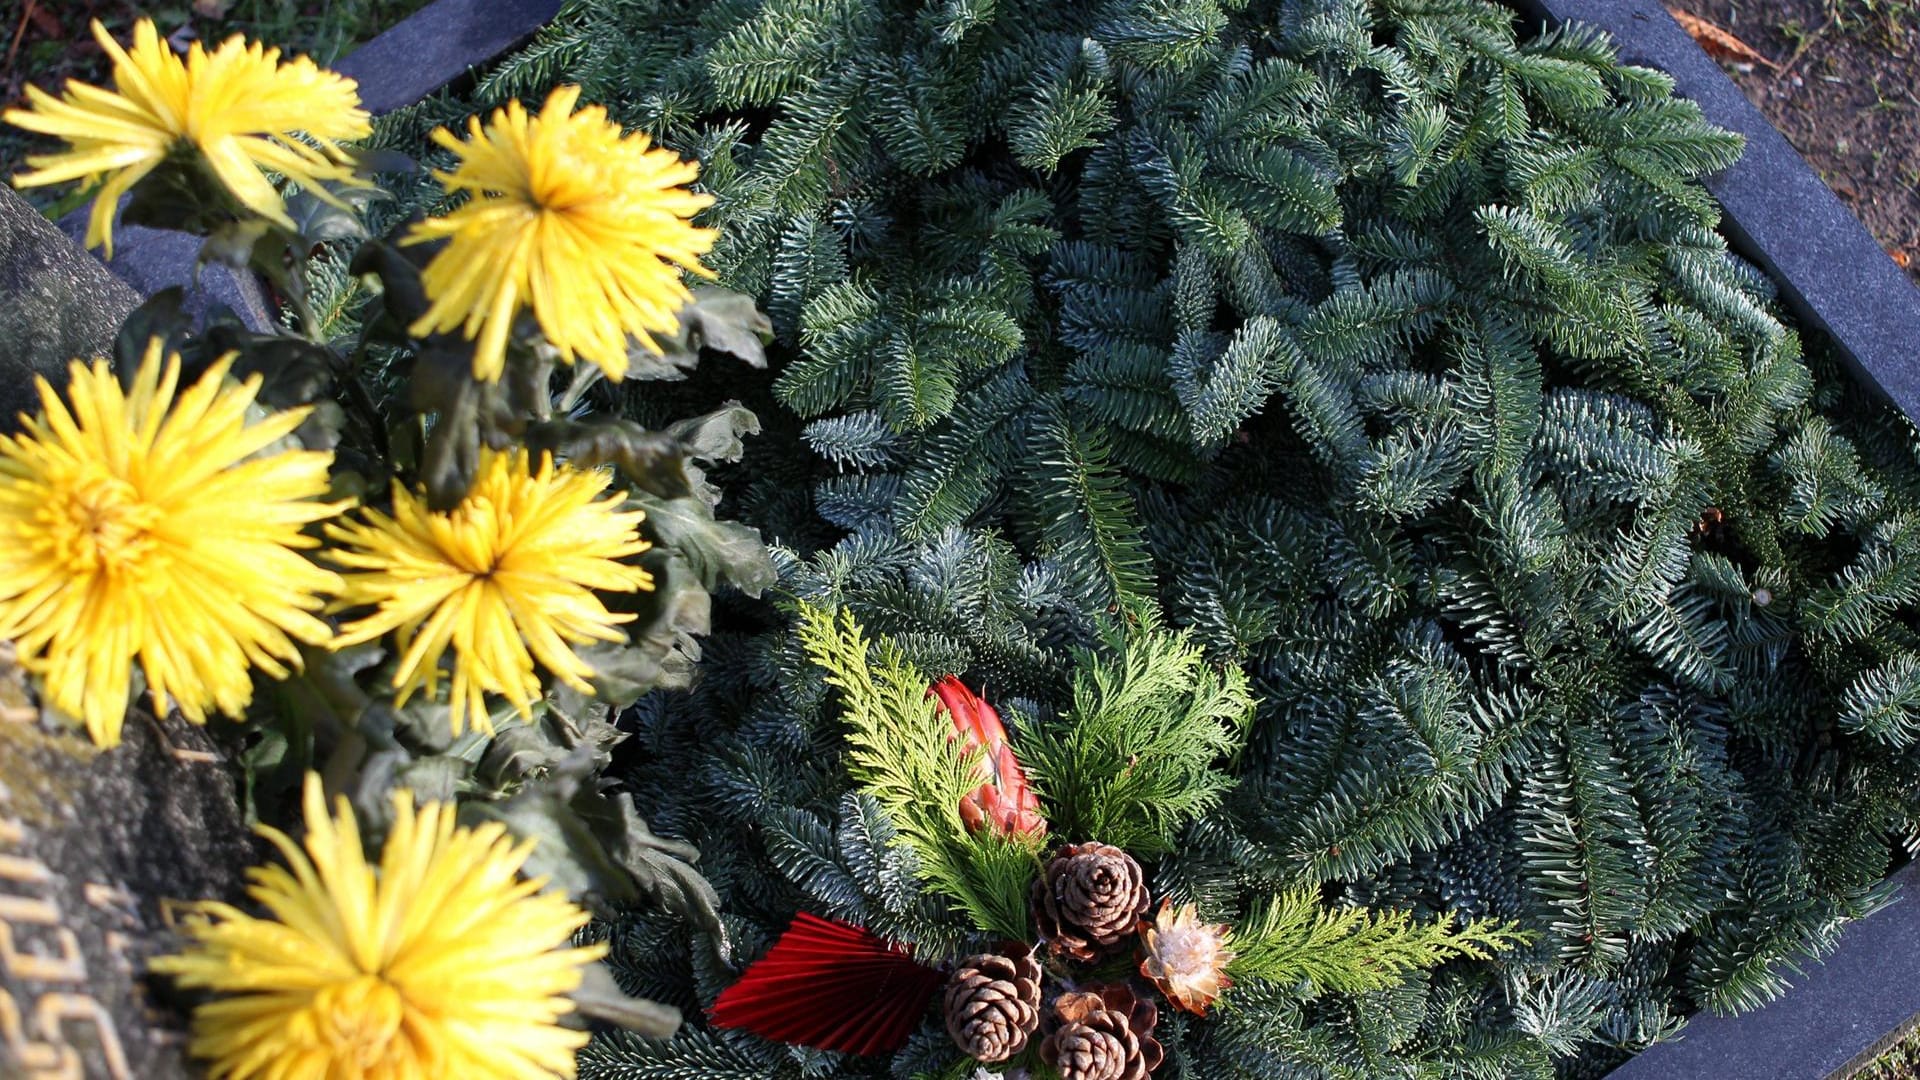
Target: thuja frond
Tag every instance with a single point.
(900, 750)
(1144, 748)
(1291, 938)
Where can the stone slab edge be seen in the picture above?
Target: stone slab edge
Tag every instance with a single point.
(438, 44)
(1839, 1014)
(1778, 212)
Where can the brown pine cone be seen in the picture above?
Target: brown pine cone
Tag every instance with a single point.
(993, 1005)
(1089, 899)
(1103, 1035)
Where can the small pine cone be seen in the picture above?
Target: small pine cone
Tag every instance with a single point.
(1089, 899)
(1103, 1035)
(993, 1005)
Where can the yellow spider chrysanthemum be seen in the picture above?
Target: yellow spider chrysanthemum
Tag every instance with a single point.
(239, 107)
(147, 524)
(506, 578)
(567, 216)
(440, 963)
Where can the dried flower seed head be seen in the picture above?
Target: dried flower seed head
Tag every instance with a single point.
(1186, 958)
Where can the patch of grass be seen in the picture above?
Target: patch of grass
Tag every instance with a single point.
(325, 31)
(1887, 23)
(1892, 15)
(1892, 25)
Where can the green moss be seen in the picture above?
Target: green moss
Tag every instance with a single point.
(35, 768)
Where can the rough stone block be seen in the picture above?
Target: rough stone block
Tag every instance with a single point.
(152, 259)
(55, 304)
(95, 851)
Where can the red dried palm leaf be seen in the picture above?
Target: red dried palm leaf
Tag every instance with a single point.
(830, 986)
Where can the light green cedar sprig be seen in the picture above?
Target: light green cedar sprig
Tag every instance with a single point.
(1291, 938)
(1146, 745)
(901, 750)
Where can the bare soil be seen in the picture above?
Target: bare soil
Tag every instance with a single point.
(47, 42)
(1847, 95)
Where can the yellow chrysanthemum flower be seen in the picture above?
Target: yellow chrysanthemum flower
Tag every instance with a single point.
(505, 578)
(567, 216)
(239, 107)
(441, 963)
(147, 523)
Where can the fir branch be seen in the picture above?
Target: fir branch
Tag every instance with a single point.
(694, 1054)
(1884, 702)
(951, 475)
(1163, 33)
(1170, 320)
(1088, 517)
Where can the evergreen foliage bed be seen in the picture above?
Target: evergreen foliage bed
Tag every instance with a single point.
(1390, 351)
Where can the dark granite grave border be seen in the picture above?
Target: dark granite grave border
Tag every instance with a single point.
(1841, 1013)
(1845, 1011)
(438, 45)
(1778, 212)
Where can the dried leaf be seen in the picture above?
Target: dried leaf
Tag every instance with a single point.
(46, 22)
(600, 998)
(1717, 41)
(211, 9)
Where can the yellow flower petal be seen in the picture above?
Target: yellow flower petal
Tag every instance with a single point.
(138, 525)
(240, 107)
(504, 580)
(570, 219)
(440, 962)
